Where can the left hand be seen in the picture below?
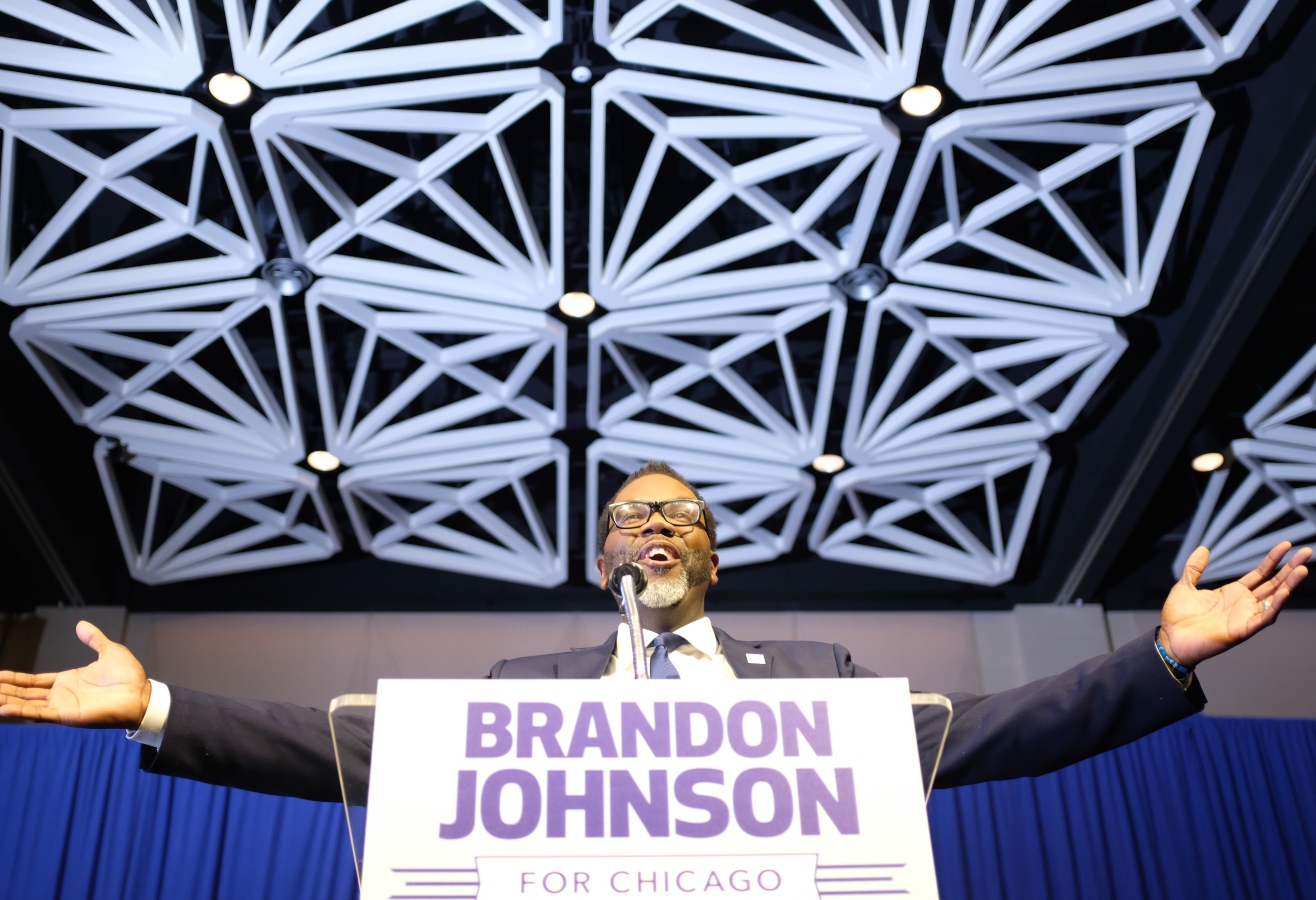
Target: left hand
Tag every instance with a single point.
(1198, 624)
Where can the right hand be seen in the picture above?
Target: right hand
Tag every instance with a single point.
(112, 692)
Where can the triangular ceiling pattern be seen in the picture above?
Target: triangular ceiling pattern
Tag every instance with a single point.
(1267, 496)
(1028, 371)
(153, 45)
(941, 514)
(848, 149)
(853, 62)
(172, 366)
(411, 198)
(995, 49)
(1054, 256)
(472, 511)
(467, 374)
(319, 41)
(695, 378)
(202, 517)
(116, 230)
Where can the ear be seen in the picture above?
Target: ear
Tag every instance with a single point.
(712, 578)
(603, 578)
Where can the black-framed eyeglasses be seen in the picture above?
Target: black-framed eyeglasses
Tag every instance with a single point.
(634, 513)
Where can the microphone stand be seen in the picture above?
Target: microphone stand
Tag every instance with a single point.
(627, 582)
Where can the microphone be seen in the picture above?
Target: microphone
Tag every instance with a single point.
(631, 569)
(627, 582)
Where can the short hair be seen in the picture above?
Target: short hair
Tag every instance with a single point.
(655, 467)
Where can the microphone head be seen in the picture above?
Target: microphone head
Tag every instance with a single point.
(631, 569)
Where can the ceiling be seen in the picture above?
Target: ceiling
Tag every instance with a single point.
(1201, 344)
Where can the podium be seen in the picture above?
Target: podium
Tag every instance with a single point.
(781, 788)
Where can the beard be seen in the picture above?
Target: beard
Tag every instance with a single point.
(661, 593)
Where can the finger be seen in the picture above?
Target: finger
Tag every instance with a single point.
(24, 679)
(8, 690)
(1196, 564)
(1294, 579)
(1284, 575)
(1254, 578)
(28, 711)
(92, 636)
(1268, 609)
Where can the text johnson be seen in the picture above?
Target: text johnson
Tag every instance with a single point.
(798, 794)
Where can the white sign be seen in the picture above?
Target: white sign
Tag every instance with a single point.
(618, 790)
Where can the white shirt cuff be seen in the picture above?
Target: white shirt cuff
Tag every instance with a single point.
(151, 731)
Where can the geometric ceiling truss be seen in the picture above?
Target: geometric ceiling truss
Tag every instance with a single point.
(492, 511)
(106, 189)
(995, 49)
(1285, 413)
(182, 515)
(726, 189)
(282, 44)
(955, 372)
(962, 515)
(759, 506)
(719, 216)
(748, 376)
(837, 54)
(401, 373)
(403, 185)
(205, 367)
(1272, 496)
(154, 44)
(1014, 200)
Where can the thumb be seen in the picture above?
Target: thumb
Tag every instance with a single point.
(92, 636)
(1196, 564)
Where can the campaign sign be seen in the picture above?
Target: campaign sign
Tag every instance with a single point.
(621, 790)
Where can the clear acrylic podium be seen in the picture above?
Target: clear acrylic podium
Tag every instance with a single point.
(351, 723)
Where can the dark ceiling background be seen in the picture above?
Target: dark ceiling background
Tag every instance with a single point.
(1232, 313)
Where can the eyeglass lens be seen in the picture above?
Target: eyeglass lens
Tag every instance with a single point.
(676, 512)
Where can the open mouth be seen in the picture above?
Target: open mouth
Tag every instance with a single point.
(658, 555)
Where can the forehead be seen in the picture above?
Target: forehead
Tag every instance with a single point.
(655, 487)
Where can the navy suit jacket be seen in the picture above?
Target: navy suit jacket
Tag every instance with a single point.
(1104, 702)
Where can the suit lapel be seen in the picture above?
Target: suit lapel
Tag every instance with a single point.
(586, 662)
(736, 651)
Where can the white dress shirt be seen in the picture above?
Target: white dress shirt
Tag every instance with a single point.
(700, 659)
(151, 731)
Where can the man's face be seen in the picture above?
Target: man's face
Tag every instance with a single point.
(677, 559)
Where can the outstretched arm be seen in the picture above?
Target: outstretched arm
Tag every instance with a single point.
(1198, 624)
(1113, 699)
(112, 692)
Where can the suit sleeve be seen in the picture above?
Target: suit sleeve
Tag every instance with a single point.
(1102, 703)
(259, 745)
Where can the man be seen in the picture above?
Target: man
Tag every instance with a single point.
(659, 521)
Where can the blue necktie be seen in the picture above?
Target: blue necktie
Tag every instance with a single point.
(660, 664)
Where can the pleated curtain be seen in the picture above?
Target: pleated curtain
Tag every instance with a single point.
(1210, 808)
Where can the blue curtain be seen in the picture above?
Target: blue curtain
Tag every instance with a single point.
(1210, 808)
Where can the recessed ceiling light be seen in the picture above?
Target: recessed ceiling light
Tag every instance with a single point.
(229, 88)
(1208, 462)
(829, 463)
(576, 304)
(322, 461)
(581, 74)
(920, 100)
